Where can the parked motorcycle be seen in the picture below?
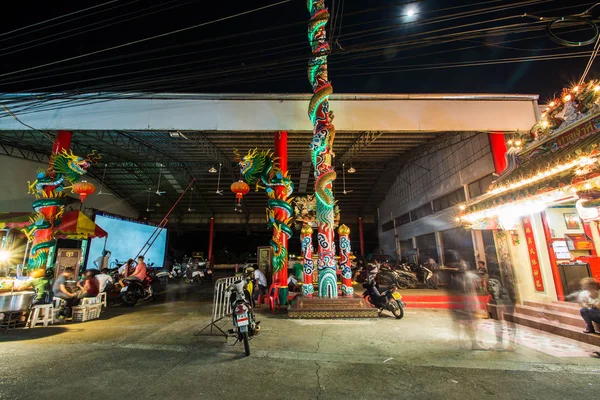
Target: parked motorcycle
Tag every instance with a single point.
(425, 276)
(244, 324)
(176, 273)
(153, 286)
(400, 277)
(390, 299)
(192, 274)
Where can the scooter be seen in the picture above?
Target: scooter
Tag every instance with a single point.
(191, 274)
(134, 290)
(390, 299)
(244, 324)
(425, 276)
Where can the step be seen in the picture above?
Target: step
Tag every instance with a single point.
(553, 327)
(562, 307)
(436, 298)
(443, 304)
(552, 316)
(575, 306)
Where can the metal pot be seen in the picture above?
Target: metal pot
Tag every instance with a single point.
(15, 302)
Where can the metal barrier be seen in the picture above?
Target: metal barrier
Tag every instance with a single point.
(221, 306)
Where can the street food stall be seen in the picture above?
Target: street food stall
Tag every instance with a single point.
(74, 225)
(544, 208)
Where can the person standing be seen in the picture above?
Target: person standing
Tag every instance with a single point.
(261, 281)
(60, 290)
(102, 261)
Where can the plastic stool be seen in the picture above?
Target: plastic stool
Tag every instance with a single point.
(41, 314)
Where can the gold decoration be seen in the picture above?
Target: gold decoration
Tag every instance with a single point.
(343, 230)
(306, 230)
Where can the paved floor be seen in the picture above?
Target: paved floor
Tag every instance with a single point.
(150, 352)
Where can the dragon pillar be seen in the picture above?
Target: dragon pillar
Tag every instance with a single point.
(308, 264)
(345, 251)
(321, 146)
(49, 191)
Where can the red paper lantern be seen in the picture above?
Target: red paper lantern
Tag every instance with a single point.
(83, 189)
(240, 188)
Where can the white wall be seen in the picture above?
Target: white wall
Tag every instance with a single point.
(430, 113)
(13, 190)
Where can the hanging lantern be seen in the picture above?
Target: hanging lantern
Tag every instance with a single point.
(240, 188)
(83, 189)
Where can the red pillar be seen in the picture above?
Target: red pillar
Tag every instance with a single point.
(498, 147)
(62, 141)
(281, 153)
(211, 234)
(360, 237)
(588, 231)
(553, 264)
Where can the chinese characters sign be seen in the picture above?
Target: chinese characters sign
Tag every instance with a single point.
(533, 256)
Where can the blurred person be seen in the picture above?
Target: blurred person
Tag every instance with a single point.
(89, 288)
(590, 301)
(505, 300)
(483, 275)
(60, 290)
(102, 261)
(40, 283)
(293, 283)
(261, 283)
(139, 273)
(125, 269)
(463, 284)
(105, 281)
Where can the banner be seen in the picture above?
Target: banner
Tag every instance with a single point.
(533, 257)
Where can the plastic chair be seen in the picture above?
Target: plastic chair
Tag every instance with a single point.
(41, 314)
(274, 297)
(86, 301)
(102, 299)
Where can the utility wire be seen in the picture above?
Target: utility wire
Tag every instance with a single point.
(149, 38)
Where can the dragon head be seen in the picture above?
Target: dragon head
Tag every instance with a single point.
(70, 165)
(253, 165)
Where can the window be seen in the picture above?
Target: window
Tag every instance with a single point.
(480, 186)
(449, 200)
(421, 212)
(458, 245)
(427, 247)
(388, 226)
(403, 219)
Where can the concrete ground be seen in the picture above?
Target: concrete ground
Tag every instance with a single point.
(150, 352)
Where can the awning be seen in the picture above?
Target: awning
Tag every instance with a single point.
(14, 220)
(76, 225)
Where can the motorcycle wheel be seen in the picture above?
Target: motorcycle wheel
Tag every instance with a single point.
(246, 344)
(129, 300)
(396, 309)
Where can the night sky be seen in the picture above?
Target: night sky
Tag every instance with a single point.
(377, 47)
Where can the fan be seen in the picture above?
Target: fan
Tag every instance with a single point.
(158, 191)
(218, 191)
(102, 183)
(344, 180)
(190, 209)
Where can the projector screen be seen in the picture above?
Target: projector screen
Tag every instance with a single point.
(125, 240)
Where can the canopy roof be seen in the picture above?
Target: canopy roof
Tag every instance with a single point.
(74, 225)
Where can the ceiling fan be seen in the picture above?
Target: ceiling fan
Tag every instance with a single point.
(190, 209)
(102, 183)
(344, 180)
(148, 209)
(158, 191)
(218, 191)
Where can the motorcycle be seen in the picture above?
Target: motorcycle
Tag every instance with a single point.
(176, 272)
(153, 285)
(425, 276)
(390, 299)
(400, 277)
(192, 274)
(244, 323)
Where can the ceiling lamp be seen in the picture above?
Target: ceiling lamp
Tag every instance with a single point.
(212, 170)
(177, 134)
(351, 170)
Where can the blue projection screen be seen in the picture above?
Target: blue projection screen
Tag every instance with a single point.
(125, 240)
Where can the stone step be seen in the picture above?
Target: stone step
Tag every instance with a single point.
(443, 304)
(562, 307)
(551, 315)
(553, 327)
(575, 306)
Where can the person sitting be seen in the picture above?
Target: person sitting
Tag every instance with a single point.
(105, 281)
(90, 285)
(261, 283)
(293, 283)
(590, 300)
(60, 290)
(40, 282)
(126, 269)
(139, 274)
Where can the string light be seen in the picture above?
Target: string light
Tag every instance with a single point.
(567, 98)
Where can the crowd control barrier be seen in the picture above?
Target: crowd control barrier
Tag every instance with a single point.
(221, 306)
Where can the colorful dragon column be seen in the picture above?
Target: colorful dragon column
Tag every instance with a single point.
(49, 190)
(345, 252)
(308, 264)
(261, 170)
(321, 146)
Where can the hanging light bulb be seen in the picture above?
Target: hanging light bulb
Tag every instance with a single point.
(212, 170)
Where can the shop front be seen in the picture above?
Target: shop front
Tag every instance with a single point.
(543, 211)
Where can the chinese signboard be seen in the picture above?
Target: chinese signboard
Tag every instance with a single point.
(533, 256)
(67, 258)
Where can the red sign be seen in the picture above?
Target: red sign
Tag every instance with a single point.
(533, 257)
